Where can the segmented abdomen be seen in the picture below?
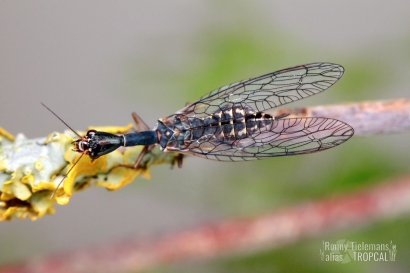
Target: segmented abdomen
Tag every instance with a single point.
(223, 126)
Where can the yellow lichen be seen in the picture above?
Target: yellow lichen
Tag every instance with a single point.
(28, 179)
(20, 190)
(112, 129)
(44, 186)
(85, 167)
(38, 166)
(42, 203)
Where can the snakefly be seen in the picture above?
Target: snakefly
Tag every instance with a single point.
(229, 124)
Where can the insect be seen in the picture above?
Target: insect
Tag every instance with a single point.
(230, 123)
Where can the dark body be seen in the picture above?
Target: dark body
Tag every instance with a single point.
(230, 123)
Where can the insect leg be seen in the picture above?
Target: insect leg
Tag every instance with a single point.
(177, 160)
(137, 161)
(141, 125)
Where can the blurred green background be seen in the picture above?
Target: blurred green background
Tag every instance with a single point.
(94, 62)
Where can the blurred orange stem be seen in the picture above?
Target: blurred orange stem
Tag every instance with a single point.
(232, 236)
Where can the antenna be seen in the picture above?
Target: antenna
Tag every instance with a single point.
(61, 120)
(65, 176)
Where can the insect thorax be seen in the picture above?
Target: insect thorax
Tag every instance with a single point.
(226, 125)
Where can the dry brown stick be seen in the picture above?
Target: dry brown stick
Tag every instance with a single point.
(367, 118)
(271, 230)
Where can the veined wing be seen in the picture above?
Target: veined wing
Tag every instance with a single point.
(268, 91)
(281, 138)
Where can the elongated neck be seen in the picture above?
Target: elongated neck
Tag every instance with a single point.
(140, 138)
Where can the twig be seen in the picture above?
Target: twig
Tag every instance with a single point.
(367, 118)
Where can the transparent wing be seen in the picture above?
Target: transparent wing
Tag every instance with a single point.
(283, 137)
(268, 91)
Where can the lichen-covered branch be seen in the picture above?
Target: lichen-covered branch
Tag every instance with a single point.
(31, 169)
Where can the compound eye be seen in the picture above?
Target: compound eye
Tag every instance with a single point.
(84, 145)
(91, 133)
